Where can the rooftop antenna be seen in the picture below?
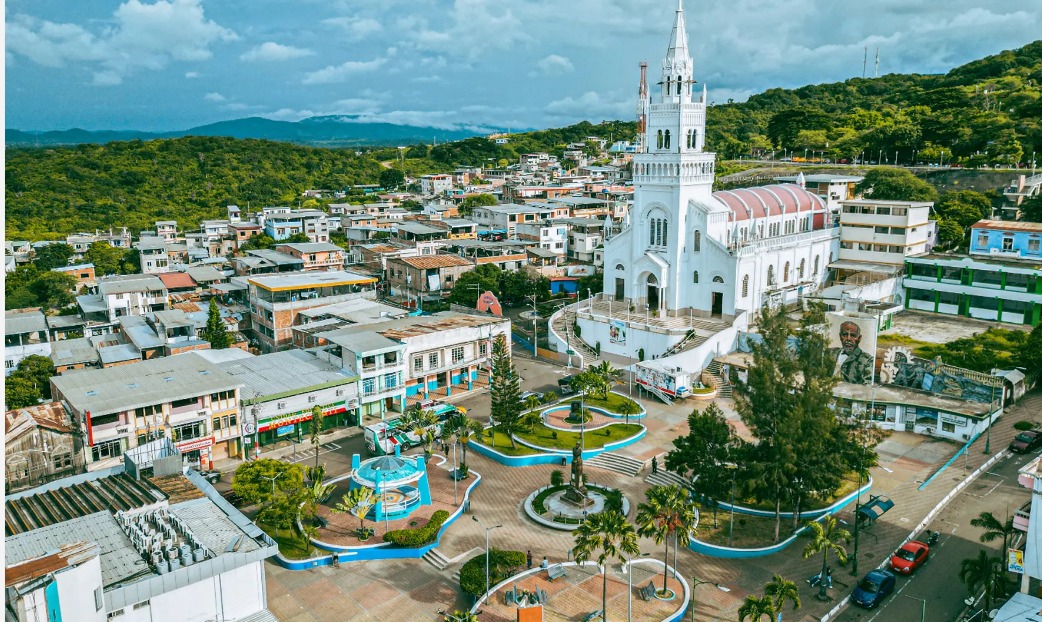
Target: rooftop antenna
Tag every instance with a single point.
(642, 98)
(876, 75)
(864, 64)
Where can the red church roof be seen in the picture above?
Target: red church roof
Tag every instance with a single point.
(774, 200)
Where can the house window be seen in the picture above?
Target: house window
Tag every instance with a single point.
(1033, 246)
(696, 276)
(817, 263)
(109, 449)
(770, 275)
(216, 423)
(432, 360)
(799, 271)
(482, 348)
(457, 354)
(785, 274)
(99, 599)
(368, 386)
(718, 279)
(448, 278)
(745, 286)
(232, 421)
(982, 240)
(390, 381)
(697, 244)
(188, 431)
(1007, 243)
(417, 363)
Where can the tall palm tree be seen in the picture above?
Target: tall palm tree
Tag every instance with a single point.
(357, 501)
(824, 537)
(667, 515)
(781, 590)
(466, 430)
(994, 529)
(628, 407)
(421, 423)
(609, 534)
(316, 429)
(987, 572)
(755, 608)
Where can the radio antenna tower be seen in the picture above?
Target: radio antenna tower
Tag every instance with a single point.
(876, 74)
(864, 64)
(642, 107)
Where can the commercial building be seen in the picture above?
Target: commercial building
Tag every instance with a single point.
(184, 398)
(376, 361)
(116, 546)
(276, 300)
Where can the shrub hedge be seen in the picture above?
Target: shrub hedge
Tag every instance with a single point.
(502, 564)
(421, 536)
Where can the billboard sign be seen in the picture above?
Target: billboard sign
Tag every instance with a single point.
(617, 332)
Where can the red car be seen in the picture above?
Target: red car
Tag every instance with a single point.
(909, 557)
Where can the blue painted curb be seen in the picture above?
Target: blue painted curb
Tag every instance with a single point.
(723, 552)
(551, 456)
(809, 514)
(382, 550)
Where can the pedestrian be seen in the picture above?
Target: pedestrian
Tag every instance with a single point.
(545, 564)
(530, 559)
(654, 465)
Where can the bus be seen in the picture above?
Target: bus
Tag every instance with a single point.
(382, 438)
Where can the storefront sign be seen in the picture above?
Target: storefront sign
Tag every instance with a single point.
(286, 429)
(952, 419)
(194, 444)
(297, 417)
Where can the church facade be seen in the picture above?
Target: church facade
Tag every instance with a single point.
(685, 251)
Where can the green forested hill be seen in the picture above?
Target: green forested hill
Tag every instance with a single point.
(52, 192)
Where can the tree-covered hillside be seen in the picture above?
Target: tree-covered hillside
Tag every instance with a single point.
(53, 192)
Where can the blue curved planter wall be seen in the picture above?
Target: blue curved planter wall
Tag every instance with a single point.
(552, 456)
(383, 550)
(809, 514)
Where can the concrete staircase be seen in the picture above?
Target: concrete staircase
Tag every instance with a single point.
(659, 394)
(436, 559)
(666, 478)
(723, 386)
(617, 463)
(562, 325)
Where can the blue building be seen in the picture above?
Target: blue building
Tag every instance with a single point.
(1000, 279)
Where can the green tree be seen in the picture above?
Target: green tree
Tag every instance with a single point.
(608, 536)
(963, 206)
(505, 390)
(422, 423)
(627, 408)
(53, 290)
(257, 243)
(358, 501)
(1031, 209)
(609, 375)
(105, 257)
(258, 481)
(950, 233)
(532, 402)
(705, 455)
(280, 510)
(479, 200)
(391, 178)
(130, 263)
(824, 537)
(1030, 354)
(297, 238)
(784, 126)
(756, 607)
(894, 184)
(461, 616)
(21, 391)
(473, 283)
(667, 515)
(216, 332)
(50, 256)
(781, 590)
(38, 370)
(985, 572)
(994, 529)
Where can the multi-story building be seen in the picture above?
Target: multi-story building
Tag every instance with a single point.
(425, 278)
(460, 228)
(435, 184)
(119, 545)
(312, 223)
(505, 218)
(276, 300)
(41, 443)
(152, 255)
(414, 232)
(884, 232)
(243, 231)
(25, 334)
(132, 294)
(376, 361)
(315, 255)
(281, 390)
(833, 189)
(1000, 280)
(167, 229)
(584, 236)
(549, 235)
(184, 398)
(83, 273)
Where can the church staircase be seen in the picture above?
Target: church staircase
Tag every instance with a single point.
(617, 463)
(724, 388)
(562, 325)
(666, 478)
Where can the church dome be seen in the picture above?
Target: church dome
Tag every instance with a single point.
(773, 200)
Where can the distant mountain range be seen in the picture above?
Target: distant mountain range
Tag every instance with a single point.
(328, 131)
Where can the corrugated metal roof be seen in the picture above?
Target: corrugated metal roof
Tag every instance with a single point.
(1009, 225)
(279, 372)
(21, 321)
(51, 415)
(31, 512)
(435, 261)
(130, 283)
(67, 555)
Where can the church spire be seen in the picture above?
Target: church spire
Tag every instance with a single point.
(678, 40)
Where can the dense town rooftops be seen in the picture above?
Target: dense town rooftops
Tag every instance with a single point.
(304, 280)
(282, 372)
(426, 262)
(22, 321)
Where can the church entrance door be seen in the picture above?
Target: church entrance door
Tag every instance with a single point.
(620, 289)
(718, 304)
(653, 302)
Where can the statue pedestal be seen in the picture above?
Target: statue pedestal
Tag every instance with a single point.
(579, 496)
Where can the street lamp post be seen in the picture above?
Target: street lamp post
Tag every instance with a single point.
(730, 534)
(923, 601)
(455, 474)
(487, 530)
(629, 572)
(695, 582)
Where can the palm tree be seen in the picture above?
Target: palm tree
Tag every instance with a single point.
(316, 429)
(667, 515)
(825, 536)
(993, 528)
(357, 501)
(421, 423)
(466, 429)
(610, 534)
(755, 607)
(609, 374)
(532, 402)
(628, 407)
(461, 616)
(781, 590)
(986, 572)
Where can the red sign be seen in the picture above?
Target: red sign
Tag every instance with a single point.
(304, 416)
(194, 444)
(489, 302)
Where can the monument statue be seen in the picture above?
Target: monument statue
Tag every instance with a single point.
(577, 492)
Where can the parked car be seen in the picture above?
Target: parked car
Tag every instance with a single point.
(873, 588)
(909, 557)
(1026, 441)
(566, 384)
(524, 396)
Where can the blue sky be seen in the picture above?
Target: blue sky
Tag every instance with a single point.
(174, 64)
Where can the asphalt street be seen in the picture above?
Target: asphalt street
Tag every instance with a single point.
(937, 583)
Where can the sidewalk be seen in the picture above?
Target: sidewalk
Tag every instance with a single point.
(284, 449)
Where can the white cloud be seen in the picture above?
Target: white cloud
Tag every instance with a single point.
(355, 27)
(214, 97)
(274, 52)
(143, 37)
(553, 64)
(340, 73)
(192, 74)
(473, 30)
(590, 105)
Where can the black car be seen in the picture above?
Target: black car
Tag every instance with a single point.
(1026, 441)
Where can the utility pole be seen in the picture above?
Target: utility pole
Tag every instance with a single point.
(864, 64)
(535, 326)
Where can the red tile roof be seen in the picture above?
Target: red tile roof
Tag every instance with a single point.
(1008, 225)
(176, 280)
(749, 203)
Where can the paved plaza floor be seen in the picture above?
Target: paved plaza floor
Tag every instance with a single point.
(416, 590)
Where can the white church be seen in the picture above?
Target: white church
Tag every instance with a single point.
(691, 267)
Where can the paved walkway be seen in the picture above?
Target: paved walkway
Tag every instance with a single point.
(415, 590)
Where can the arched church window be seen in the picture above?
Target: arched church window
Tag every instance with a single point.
(770, 275)
(718, 279)
(660, 139)
(620, 267)
(667, 139)
(669, 85)
(696, 276)
(679, 82)
(665, 234)
(651, 231)
(785, 274)
(799, 273)
(817, 264)
(697, 243)
(745, 286)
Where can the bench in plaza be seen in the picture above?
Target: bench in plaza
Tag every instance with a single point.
(593, 615)
(557, 570)
(648, 591)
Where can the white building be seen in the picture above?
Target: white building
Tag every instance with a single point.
(687, 252)
(162, 549)
(152, 255)
(504, 218)
(884, 232)
(435, 184)
(551, 236)
(132, 294)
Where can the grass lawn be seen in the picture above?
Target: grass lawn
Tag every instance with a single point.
(503, 445)
(750, 532)
(595, 439)
(289, 542)
(897, 339)
(847, 486)
(613, 403)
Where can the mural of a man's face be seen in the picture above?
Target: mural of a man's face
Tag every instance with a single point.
(849, 336)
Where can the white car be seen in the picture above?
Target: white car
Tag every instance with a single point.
(527, 394)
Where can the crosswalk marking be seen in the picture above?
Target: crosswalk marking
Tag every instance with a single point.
(309, 452)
